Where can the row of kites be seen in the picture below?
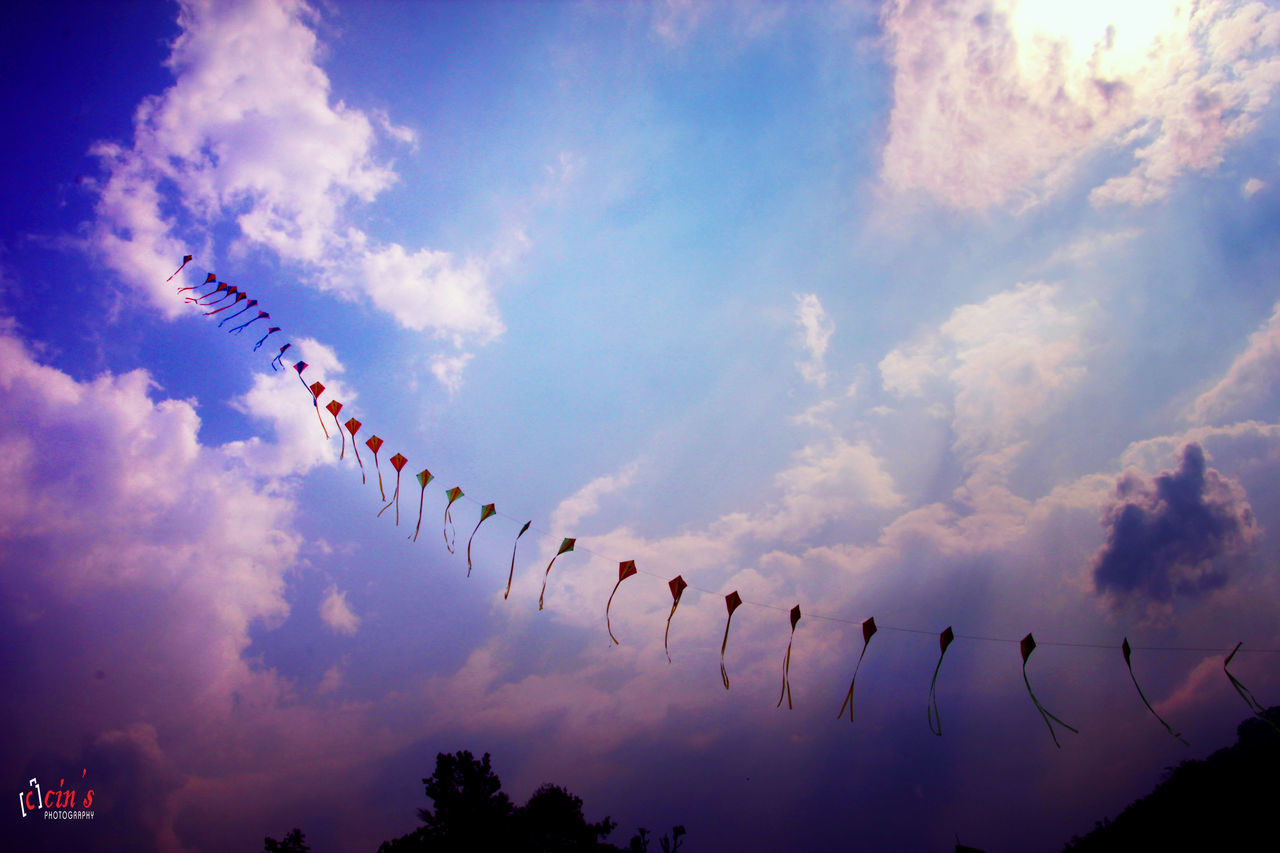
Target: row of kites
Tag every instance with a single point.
(227, 297)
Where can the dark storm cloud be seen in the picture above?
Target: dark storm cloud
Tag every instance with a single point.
(1176, 532)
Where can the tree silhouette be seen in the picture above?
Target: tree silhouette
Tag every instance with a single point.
(294, 842)
(1226, 802)
(470, 812)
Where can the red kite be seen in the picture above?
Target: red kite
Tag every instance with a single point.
(240, 297)
(333, 407)
(732, 602)
(868, 631)
(185, 260)
(514, 545)
(565, 547)
(374, 443)
(935, 719)
(222, 286)
(1127, 651)
(485, 511)
(786, 662)
(209, 279)
(398, 461)
(677, 586)
(1028, 646)
(353, 426)
(625, 570)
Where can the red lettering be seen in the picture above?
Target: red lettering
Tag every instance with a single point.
(30, 807)
(47, 795)
(88, 798)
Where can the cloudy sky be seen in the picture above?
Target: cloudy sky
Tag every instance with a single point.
(950, 313)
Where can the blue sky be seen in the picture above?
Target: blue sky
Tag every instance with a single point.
(943, 313)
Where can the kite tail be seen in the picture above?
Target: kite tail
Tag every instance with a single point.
(1044, 712)
(848, 697)
(252, 302)
(1129, 663)
(262, 315)
(469, 541)
(1254, 705)
(450, 528)
(935, 718)
(545, 575)
(724, 673)
(511, 574)
(280, 357)
(356, 448)
(263, 339)
(185, 260)
(208, 280)
(626, 569)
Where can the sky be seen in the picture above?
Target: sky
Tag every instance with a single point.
(950, 313)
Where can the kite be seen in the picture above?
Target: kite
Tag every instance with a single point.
(453, 494)
(262, 315)
(280, 357)
(731, 601)
(1126, 650)
(935, 719)
(868, 631)
(185, 260)
(252, 302)
(353, 426)
(514, 545)
(316, 390)
(626, 569)
(485, 511)
(677, 586)
(374, 443)
(397, 462)
(222, 285)
(786, 662)
(565, 547)
(1027, 647)
(424, 477)
(1254, 705)
(240, 297)
(333, 407)
(263, 339)
(210, 278)
(230, 290)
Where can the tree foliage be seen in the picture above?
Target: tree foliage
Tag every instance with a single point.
(469, 812)
(1226, 802)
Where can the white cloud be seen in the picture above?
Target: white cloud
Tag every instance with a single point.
(281, 400)
(1252, 187)
(1000, 101)
(337, 613)
(1008, 363)
(585, 502)
(1250, 383)
(249, 132)
(816, 328)
(138, 557)
(447, 369)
